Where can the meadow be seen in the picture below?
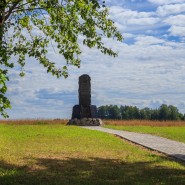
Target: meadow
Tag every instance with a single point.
(46, 152)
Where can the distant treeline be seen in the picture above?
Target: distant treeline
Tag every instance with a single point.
(164, 112)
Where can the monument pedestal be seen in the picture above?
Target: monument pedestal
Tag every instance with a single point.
(80, 112)
(85, 116)
(85, 122)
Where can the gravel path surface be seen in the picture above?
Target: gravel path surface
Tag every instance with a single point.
(166, 146)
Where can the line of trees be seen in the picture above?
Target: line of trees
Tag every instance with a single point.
(163, 113)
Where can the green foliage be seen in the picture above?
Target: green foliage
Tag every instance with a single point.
(164, 112)
(109, 112)
(4, 102)
(129, 112)
(60, 22)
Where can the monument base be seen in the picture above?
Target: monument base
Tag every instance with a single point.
(80, 112)
(85, 122)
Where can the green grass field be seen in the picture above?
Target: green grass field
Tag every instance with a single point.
(173, 132)
(68, 155)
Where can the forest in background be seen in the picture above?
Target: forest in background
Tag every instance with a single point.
(163, 113)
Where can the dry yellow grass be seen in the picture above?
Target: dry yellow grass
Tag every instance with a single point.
(34, 121)
(144, 123)
(106, 122)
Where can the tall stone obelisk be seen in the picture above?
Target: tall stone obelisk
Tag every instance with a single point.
(84, 113)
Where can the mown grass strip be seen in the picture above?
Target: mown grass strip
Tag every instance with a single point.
(174, 133)
(145, 123)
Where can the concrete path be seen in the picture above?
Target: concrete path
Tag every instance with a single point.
(166, 146)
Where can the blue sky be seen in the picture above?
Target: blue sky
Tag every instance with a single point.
(149, 71)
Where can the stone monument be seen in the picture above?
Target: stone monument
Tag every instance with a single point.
(85, 114)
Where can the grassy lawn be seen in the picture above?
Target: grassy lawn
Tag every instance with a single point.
(67, 155)
(175, 132)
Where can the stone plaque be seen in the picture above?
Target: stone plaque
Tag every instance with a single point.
(84, 91)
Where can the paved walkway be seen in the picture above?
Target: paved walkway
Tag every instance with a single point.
(166, 146)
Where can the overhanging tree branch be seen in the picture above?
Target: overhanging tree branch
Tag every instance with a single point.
(11, 10)
(67, 21)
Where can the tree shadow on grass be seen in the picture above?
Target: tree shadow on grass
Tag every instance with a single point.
(92, 171)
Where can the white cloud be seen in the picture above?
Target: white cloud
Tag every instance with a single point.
(148, 40)
(162, 2)
(178, 20)
(115, 2)
(125, 15)
(177, 24)
(129, 21)
(143, 21)
(129, 35)
(177, 31)
(170, 9)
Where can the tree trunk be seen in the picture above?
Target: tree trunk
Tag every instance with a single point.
(1, 33)
(2, 13)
